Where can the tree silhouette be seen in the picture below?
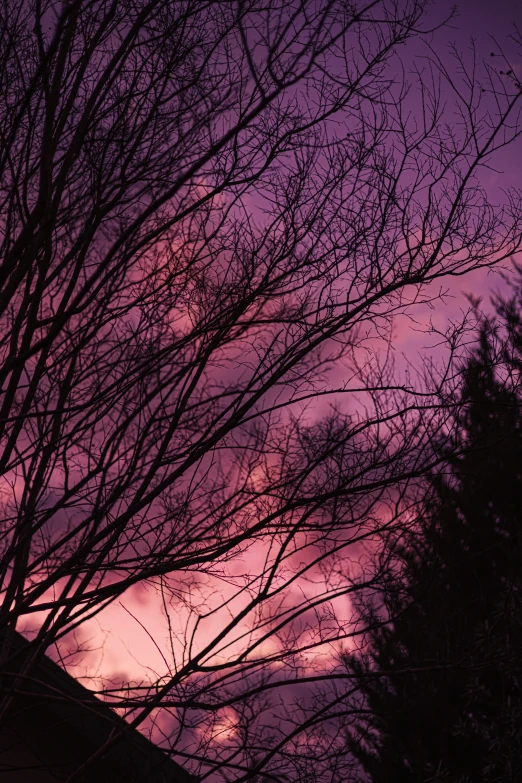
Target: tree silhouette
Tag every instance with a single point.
(207, 207)
(443, 681)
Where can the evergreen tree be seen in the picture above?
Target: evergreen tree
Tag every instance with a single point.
(442, 680)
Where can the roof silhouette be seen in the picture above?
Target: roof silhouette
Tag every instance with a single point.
(55, 724)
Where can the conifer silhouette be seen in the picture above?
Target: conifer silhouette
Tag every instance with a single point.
(442, 682)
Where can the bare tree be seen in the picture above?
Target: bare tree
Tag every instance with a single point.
(207, 207)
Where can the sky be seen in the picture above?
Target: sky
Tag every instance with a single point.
(128, 638)
(490, 26)
(129, 649)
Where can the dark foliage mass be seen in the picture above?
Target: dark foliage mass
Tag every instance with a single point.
(447, 705)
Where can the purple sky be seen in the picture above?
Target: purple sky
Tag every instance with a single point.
(131, 652)
(486, 23)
